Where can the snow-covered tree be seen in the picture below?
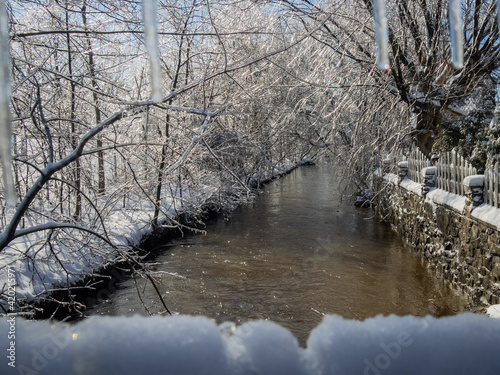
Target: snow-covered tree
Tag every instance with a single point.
(420, 73)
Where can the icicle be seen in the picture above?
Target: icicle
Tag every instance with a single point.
(498, 12)
(381, 34)
(151, 36)
(456, 34)
(5, 117)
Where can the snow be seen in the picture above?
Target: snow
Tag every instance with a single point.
(405, 183)
(35, 279)
(476, 180)
(443, 197)
(411, 186)
(487, 214)
(463, 344)
(458, 110)
(428, 171)
(391, 177)
(493, 311)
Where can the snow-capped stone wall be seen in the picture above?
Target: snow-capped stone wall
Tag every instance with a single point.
(463, 243)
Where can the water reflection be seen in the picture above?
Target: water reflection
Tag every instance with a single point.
(295, 254)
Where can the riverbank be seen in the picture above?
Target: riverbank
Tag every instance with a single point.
(32, 277)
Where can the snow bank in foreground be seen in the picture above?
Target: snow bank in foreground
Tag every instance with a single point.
(464, 344)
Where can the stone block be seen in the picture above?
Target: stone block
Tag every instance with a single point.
(486, 282)
(474, 231)
(487, 261)
(473, 186)
(429, 177)
(402, 170)
(495, 273)
(495, 249)
(483, 271)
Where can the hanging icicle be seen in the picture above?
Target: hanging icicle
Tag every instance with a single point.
(151, 37)
(381, 34)
(498, 12)
(5, 116)
(456, 33)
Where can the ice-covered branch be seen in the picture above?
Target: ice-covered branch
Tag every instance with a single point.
(225, 167)
(190, 148)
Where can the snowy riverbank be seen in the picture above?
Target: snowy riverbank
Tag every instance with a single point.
(463, 344)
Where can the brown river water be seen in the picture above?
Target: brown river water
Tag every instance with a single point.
(296, 253)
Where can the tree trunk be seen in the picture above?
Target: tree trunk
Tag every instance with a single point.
(74, 136)
(428, 120)
(101, 185)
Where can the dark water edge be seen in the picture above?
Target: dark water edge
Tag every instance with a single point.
(299, 252)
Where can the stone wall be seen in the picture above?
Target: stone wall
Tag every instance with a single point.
(439, 225)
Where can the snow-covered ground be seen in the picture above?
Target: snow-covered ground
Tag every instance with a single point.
(463, 344)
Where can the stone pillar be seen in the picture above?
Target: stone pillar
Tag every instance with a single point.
(429, 179)
(434, 159)
(402, 170)
(473, 186)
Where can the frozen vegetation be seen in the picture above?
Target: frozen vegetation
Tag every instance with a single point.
(249, 89)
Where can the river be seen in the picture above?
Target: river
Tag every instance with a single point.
(298, 252)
